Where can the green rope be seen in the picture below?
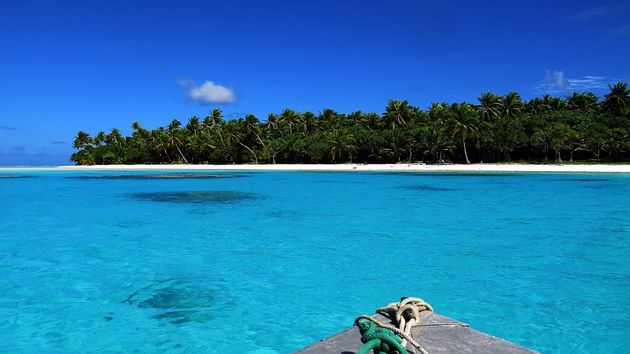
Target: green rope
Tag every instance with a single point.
(381, 340)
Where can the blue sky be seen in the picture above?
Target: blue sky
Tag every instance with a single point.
(95, 65)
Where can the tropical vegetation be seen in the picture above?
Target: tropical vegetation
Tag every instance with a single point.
(497, 128)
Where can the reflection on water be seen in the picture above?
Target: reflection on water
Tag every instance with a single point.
(195, 197)
(13, 176)
(164, 176)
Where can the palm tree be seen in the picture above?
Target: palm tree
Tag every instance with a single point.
(396, 113)
(491, 104)
(553, 103)
(393, 145)
(498, 126)
(116, 140)
(465, 123)
(436, 142)
(511, 105)
(174, 137)
(114, 137)
(308, 122)
(371, 121)
(253, 126)
(342, 142)
(201, 144)
(439, 113)
(617, 101)
(237, 131)
(537, 106)
(99, 138)
(82, 140)
(161, 142)
(330, 120)
(214, 122)
(140, 135)
(585, 102)
(289, 120)
(83, 157)
(193, 125)
(136, 126)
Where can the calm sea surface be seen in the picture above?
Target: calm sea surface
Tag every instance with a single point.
(268, 262)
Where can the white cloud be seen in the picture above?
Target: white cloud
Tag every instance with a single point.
(556, 82)
(208, 92)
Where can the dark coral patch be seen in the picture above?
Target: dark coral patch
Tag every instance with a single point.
(460, 174)
(426, 187)
(177, 301)
(165, 176)
(587, 180)
(195, 197)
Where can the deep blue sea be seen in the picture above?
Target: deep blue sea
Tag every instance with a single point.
(269, 262)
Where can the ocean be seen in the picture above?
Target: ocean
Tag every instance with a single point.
(269, 262)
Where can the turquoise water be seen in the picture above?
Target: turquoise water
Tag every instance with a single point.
(271, 262)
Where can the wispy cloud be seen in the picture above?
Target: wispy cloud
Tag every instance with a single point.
(588, 14)
(557, 82)
(554, 82)
(208, 92)
(7, 128)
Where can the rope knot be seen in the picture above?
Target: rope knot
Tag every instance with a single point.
(405, 314)
(379, 339)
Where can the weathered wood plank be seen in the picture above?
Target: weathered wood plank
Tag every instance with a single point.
(437, 334)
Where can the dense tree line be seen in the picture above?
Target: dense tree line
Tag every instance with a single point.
(496, 128)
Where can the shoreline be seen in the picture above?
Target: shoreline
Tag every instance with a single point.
(403, 167)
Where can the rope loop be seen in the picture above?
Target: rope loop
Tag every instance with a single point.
(405, 314)
(380, 339)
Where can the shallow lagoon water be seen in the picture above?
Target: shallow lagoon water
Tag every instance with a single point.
(276, 260)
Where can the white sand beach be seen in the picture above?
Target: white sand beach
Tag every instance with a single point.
(608, 168)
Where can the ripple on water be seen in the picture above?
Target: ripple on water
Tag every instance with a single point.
(165, 176)
(195, 197)
(178, 301)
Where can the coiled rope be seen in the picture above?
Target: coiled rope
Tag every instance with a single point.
(405, 314)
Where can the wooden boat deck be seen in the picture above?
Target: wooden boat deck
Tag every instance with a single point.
(437, 334)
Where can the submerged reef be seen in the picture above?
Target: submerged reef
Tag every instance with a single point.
(165, 176)
(457, 174)
(178, 301)
(195, 197)
(426, 187)
(585, 179)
